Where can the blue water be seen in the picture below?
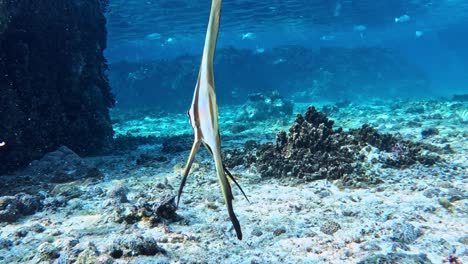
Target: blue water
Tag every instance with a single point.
(434, 38)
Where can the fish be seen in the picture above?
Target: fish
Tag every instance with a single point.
(403, 18)
(359, 28)
(248, 35)
(418, 33)
(153, 36)
(327, 37)
(203, 117)
(259, 50)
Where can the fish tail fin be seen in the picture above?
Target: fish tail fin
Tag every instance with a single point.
(227, 192)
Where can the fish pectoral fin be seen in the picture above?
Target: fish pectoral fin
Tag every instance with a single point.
(234, 180)
(193, 151)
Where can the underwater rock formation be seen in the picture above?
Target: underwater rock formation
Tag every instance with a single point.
(263, 106)
(313, 150)
(57, 174)
(60, 166)
(326, 73)
(13, 207)
(54, 90)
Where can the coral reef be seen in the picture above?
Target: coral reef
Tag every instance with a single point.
(52, 77)
(177, 144)
(314, 150)
(262, 106)
(372, 71)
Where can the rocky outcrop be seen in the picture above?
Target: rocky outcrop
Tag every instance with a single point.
(54, 90)
(313, 150)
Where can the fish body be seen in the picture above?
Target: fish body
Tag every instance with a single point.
(359, 28)
(153, 36)
(248, 35)
(203, 115)
(403, 18)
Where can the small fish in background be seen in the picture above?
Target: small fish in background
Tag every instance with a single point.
(2, 144)
(248, 35)
(402, 19)
(259, 50)
(167, 42)
(418, 33)
(359, 28)
(153, 36)
(278, 61)
(337, 10)
(327, 37)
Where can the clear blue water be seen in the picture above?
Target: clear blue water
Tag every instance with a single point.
(434, 38)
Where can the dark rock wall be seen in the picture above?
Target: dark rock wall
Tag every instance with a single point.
(54, 90)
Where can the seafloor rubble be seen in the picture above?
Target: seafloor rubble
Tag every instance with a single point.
(119, 208)
(313, 150)
(54, 90)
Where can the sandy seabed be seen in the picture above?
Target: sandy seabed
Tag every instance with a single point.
(418, 214)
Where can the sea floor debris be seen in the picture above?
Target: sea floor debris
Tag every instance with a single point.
(417, 213)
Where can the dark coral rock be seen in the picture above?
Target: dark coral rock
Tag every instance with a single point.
(403, 232)
(119, 193)
(460, 97)
(261, 107)
(53, 203)
(60, 166)
(429, 132)
(177, 144)
(164, 210)
(67, 190)
(28, 204)
(22, 232)
(415, 110)
(161, 209)
(134, 245)
(395, 258)
(330, 109)
(13, 207)
(125, 143)
(5, 243)
(401, 153)
(314, 150)
(243, 156)
(54, 90)
(330, 227)
(146, 159)
(238, 127)
(47, 252)
(37, 228)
